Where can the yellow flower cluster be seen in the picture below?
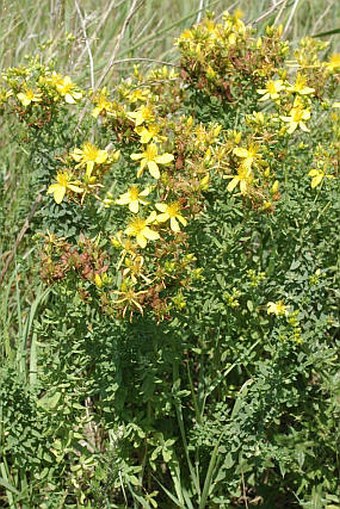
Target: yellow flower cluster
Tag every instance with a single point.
(280, 309)
(156, 206)
(174, 159)
(38, 86)
(92, 163)
(296, 112)
(326, 163)
(62, 85)
(168, 159)
(224, 59)
(244, 163)
(143, 229)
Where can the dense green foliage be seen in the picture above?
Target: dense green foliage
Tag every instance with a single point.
(194, 366)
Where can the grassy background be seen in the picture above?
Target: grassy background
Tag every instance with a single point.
(28, 27)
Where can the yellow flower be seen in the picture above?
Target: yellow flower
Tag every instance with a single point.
(172, 212)
(275, 187)
(185, 36)
(232, 39)
(334, 63)
(88, 156)
(152, 159)
(63, 183)
(134, 269)
(272, 90)
(102, 280)
(300, 86)
(148, 133)
(98, 281)
(66, 88)
(127, 246)
(249, 156)
(133, 197)
(138, 95)
(244, 178)
(179, 301)
(318, 176)
(237, 15)
(296, 118)
(29, 96)
(138, 227)
(277, 308)
(237, 135)
(204, 183)
(101, 103)
(129, 297)
(257, 117)
(141, 115)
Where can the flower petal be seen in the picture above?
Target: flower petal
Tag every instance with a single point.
(75, 189)
(316, 181)
(140, 172)
(154, 170)
(174, 225)
(124, 199)
(152, 217)
(58, 192)
(303, 127)
(243, 186)
(161, 218)
(232, 184)
(77, 154)
(164, 158)
(150, 234)
(141, 240)
(69, 99)
(136, 157)
(182, 220)
(146, 192)
(161, 207)
(129, 231)
(89, 168)
(292, 127)
(240, 152)
(134, 206)
(101, 157)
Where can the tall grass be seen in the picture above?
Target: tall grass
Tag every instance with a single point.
(67, 30)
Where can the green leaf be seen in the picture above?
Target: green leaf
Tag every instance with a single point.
(48, 402)
(8, 486)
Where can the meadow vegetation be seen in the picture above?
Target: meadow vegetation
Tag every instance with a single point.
(169, 204)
